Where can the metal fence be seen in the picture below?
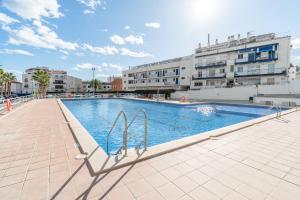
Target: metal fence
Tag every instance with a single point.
(15, 102)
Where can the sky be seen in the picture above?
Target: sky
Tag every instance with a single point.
(111, 35)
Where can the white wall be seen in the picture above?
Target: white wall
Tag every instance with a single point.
(278, 101)
(239, 93)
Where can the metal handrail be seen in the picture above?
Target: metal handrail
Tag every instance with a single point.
(145, 126)
(278, 110)
(125, 142)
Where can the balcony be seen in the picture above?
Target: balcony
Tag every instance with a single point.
(170, 74)
(211, 65)
(209, 76)
(270, 57)
(261, 72)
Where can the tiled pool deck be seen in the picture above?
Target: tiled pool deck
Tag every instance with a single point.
(37, 162)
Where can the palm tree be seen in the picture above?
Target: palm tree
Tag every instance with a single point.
(96, 84)
(42, 77)
(8, 79)
(1, 81)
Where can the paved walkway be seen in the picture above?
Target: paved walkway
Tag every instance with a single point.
(37, 162)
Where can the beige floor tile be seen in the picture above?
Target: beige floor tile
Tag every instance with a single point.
(217, 188)
(157, 180)
(171, 173)
(198, 177)
(153, 195)
(120, 193)
(250, 193)
(202, 193)
(185, 184)
(170, 191)
(139, 188)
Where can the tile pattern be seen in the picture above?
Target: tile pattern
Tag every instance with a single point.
(37, 161)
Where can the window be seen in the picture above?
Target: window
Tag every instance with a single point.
(271, 68)
(200, 74)
(240, 69)
(222, 71)
(271, 81)
(183, 68)
(198, 84)
(176, 81)
(231, 68)
(212, 72)
(240, 56)
(182, 78)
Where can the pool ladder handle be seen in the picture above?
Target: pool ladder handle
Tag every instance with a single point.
(278, 110)
(145, 127)
(125, 142)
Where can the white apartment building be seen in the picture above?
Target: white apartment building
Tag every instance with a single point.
(254, 60)
(163, 75)
(59, 81)
(74, 84)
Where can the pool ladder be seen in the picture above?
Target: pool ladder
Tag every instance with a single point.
(278, 110)
(125, 132)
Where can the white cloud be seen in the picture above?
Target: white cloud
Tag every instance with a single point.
(15, 51)
(92, 4)
(131, 39)
(296, 43)
(5, 19)
(87, 12)
(127, 52)
(127, 27)
(153, 25)
(34, 9)
(134, 39)
(106, 50)
(117, 39)
(39, 36)
(103, 70)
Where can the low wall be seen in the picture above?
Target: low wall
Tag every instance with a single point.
(285, 101)
(239, 93)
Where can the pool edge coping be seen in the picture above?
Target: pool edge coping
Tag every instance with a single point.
(99, 162)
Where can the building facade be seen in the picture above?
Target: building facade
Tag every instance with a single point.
(253, 60)
(60, 82)
(117, 84)
(74, 84)
(16, 87)
(163, 75)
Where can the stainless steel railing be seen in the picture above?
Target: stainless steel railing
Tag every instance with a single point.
(145, 141)
(125, 135)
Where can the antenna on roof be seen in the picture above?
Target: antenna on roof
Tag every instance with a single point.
(208, 40)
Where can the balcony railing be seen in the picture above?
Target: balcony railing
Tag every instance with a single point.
(209, 76)
(211, 65)
(270, 57)
(261, 72)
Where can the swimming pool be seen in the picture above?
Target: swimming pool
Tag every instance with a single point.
(166, 122)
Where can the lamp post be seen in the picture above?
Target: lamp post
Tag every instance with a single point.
(93, 69)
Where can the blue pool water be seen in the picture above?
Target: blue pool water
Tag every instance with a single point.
(166, 122)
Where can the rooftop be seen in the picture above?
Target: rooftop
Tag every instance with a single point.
(232, 41)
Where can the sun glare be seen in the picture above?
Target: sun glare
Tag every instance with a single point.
(203, 11)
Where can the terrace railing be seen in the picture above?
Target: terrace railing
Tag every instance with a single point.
(15, 101)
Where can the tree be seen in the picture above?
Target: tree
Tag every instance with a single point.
(96, 84)
(42, 77)
(8, 78)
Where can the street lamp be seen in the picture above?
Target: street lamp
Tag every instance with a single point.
(94, 84)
